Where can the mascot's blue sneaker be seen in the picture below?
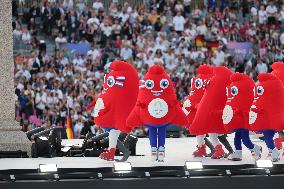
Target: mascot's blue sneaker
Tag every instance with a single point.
(154, 154)
(236, 156)
(161, 154)
(273, 155)
(256, 152)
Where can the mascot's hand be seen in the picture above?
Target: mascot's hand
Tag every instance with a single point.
(103, 111)
(259, 111)
(91, 105)
(191, 108)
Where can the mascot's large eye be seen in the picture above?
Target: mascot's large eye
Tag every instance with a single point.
(149, 84)
(234, 90)
(110, 81)
(164, 83)
(198, 83)
(260, 90)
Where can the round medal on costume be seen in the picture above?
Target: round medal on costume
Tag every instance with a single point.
(228, 114)
(158, 108)
(99, 106)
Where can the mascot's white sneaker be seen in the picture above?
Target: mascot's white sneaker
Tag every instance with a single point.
(236, 155)
(161, 154)
(273, 155)
(256, 152)
(154, 154)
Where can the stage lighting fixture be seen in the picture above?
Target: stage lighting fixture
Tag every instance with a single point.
(122, 166)
(264, 163)
(190, 165)
(47, 168)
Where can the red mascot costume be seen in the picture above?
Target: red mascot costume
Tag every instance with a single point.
(208, 118)
(204, 74)
(278, 71)
(157, 107)
(236, 113)
(115, 102)
(198, 84)
(267, 110)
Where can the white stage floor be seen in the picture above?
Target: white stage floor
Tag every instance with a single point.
(178, 150)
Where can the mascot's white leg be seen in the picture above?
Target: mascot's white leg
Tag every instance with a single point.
(218, 150)
(201, 148)
(113, 137)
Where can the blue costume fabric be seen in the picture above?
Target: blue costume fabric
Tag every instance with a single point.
(157, 134)
(242, 135)
(107, 129)
(268, 138)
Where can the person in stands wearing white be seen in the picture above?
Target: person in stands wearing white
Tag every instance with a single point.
(178, 23)
(40, 102)
(126, 53)
(261, 67)
(98, 5)
(78, 127)
(26, 36)
(271, 11)
(59, 40)
(158, 59)
(78, 60)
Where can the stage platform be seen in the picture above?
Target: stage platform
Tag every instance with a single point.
(178, 150)
(92, 172)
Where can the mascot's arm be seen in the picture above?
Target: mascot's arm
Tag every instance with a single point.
(104, 111)
(133, 119)
(257, 110)
(141, 104)
(180, 118)
(240, 112)
(91, 105)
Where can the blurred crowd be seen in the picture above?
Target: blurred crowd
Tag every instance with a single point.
(49, 86)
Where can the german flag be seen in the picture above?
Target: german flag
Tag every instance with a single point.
(213, 45)
(69, 130)
(200, 41)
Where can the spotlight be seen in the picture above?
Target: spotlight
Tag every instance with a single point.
(264, 163)
(47, 168)
(193, 165)
(122, 166)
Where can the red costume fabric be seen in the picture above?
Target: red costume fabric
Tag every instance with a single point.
(118, 97)
(157, 103)
(92, 104)
(198, 85)
(267, 109)
(239, 99)
(278, 70)
(208, 118)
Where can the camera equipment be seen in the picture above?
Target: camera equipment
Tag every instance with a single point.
(126, 144)
(46, 143)
(34, 131)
